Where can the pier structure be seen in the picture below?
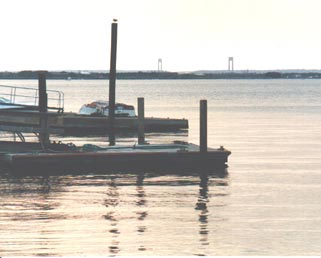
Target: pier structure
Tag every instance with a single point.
(112, 83)
(231, 64)
(141, 120)
(203, 126)
(36, 115)
(43, 109)
(175, 158)
(46, 158)
(26, 119)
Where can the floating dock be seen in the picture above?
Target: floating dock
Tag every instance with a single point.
(74, 124)
(179, 158)
(42, 104)
(46, 158)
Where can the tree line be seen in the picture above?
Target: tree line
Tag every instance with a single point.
(63, 75)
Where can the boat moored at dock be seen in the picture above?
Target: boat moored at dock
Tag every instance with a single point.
(101, 108)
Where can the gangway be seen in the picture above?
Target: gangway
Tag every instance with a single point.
(14, 97)
(20, 111)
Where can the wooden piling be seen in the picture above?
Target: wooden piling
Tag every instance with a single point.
(112, 84)
(203, 126)
(141, 120)
(43, 108)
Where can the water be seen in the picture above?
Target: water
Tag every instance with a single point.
(268, 204)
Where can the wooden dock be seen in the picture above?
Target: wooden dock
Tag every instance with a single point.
(176, 158)
(46, 158)
(75, 124)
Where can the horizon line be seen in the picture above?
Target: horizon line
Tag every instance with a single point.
(164, 71)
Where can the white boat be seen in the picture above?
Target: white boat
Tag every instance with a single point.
(101, 107)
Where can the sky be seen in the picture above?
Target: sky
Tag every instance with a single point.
(188, 35)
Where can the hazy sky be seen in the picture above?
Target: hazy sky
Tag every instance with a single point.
(187, 34)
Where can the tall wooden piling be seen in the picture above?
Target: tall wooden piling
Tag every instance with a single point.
(112, 83)
(43, 108)
(203, 126)
(141, 120)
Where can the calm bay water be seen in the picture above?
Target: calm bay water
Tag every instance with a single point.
(268, 204)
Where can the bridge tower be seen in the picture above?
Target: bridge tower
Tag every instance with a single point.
(160, 65)
(231, 64)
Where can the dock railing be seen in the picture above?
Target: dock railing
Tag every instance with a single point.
(29, 97)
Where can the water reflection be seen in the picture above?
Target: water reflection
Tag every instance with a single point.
(51, 206)
(141, 203)
(28, 201)
(112, 201)
(140, 190)
(202, 207)
(29, 194)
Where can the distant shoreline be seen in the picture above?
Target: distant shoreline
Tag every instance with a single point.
(62, 75)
